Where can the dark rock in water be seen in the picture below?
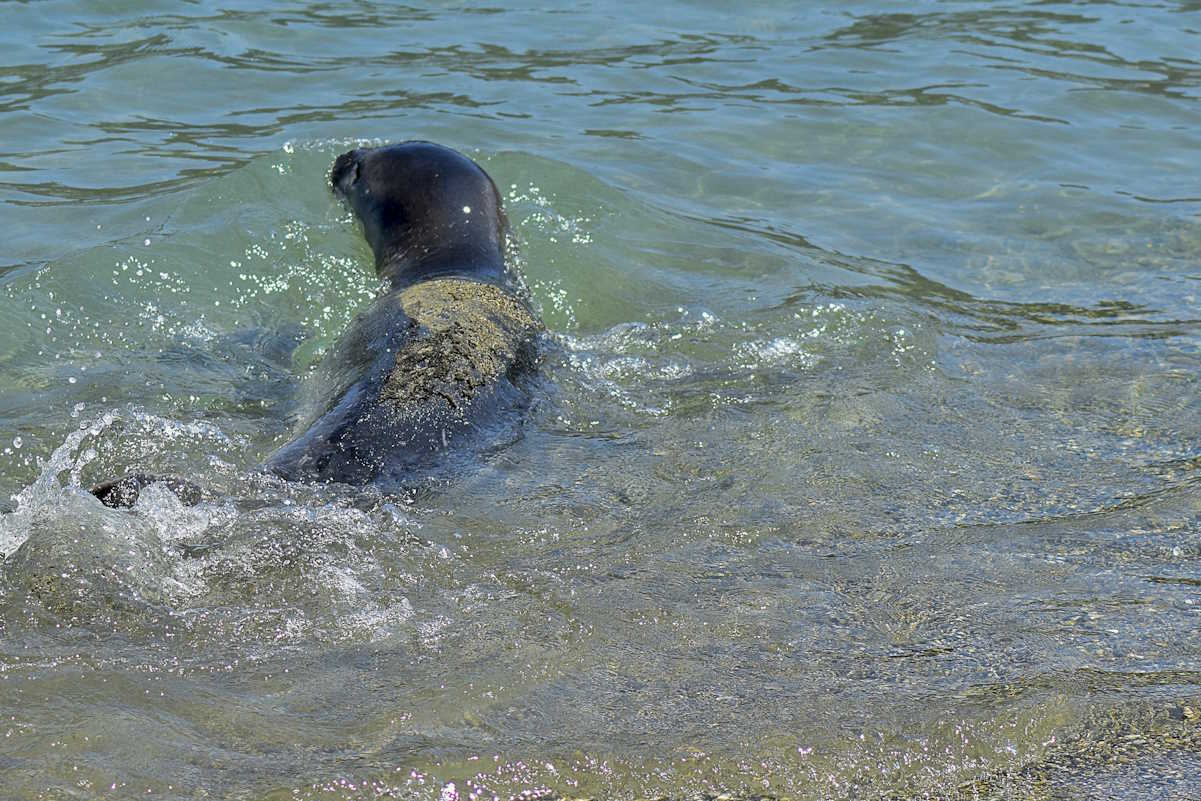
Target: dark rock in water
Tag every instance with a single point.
(124, 492)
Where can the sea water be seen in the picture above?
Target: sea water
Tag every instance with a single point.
(864, 464)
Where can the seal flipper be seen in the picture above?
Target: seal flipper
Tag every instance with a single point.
(343, 436)
(340, 446)
(122, 493)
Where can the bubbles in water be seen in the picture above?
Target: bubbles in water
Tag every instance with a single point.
(777, 351)
(545, 219)
(553, 293)
(324, 291)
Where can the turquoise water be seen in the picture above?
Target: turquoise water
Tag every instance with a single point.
(865, 466)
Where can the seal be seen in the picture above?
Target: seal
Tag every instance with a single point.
(438, 364)
(438, 358)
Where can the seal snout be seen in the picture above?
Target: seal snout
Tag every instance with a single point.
(344, 172)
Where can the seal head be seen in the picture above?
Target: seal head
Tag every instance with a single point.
(427, 212)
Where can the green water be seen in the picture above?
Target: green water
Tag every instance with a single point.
(865, 466)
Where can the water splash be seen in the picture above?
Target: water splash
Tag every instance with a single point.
(51, 486)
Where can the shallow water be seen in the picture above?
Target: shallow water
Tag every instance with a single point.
(865, 466)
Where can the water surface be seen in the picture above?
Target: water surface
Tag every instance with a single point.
(865, 466)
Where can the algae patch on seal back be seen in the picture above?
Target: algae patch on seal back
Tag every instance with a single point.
(469, 336)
